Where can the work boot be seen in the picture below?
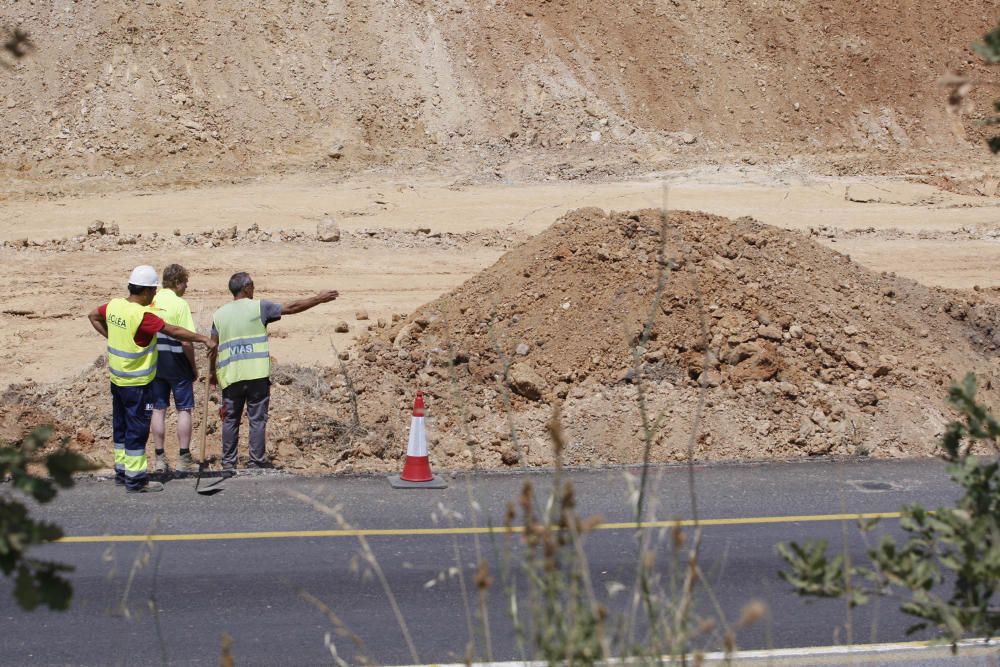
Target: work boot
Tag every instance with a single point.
(161, 464)
(185, 463)
(151, 487)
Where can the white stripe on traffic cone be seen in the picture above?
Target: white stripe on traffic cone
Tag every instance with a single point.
(417, 467)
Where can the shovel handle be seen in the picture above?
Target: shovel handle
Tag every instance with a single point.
(204, 421)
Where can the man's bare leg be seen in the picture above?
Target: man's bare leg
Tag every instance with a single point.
(184, 429)
(158, 427)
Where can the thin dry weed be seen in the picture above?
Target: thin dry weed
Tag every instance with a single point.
(556, 614)
(226, 658)
(371, 560)
(339, 627)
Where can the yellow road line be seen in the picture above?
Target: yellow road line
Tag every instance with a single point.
(405, 532)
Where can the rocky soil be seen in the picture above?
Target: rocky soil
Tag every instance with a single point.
(784, 347)
(184, 92)
(105, 237)
(631, 327)
(802, 351)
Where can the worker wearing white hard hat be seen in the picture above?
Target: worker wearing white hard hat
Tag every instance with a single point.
(131, 332)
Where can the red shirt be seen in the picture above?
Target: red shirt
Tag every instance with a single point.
(148, 328)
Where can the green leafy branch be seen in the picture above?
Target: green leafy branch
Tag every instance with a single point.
(959, 545)
(35, 581)
(989, 50)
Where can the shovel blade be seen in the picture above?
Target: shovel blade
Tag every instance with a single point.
(209, 488)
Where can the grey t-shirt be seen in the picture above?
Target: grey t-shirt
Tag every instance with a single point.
(269, 312)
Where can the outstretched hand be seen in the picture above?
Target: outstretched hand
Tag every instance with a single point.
(327, 296)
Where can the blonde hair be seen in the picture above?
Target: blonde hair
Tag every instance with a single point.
(174, 275)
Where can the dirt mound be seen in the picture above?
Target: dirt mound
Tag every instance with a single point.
(186, 91)
(803, 352)
(800, 352)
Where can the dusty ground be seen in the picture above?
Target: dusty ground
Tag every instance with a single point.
(915, 230)
(187, 92)
(443, 137)
(403, 246)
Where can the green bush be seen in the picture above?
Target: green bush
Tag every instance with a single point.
(35, 581)
(948, 568)
(989, 49)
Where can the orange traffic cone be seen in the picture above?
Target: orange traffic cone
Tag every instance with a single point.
(417, 468)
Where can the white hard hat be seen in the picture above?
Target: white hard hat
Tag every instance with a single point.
(144, 276)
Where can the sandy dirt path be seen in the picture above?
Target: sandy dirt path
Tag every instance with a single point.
(783, 198)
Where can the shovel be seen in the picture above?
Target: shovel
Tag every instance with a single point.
(216, 486)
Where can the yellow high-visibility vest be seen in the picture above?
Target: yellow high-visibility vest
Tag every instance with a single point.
(174, 310)
(128, 364)
(243, 349)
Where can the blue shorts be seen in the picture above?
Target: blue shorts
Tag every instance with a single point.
(183, 391)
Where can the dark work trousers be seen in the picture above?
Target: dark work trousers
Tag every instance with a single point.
(131, 411)
(256, 396)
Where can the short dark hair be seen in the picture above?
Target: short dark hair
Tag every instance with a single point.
(138, 289)
(174, 275)
(239, 282)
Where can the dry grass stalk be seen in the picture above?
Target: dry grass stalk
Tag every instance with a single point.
(482, 609)
(226, 659)
(369, 556)
(505, 389)
(563, 621)
(141, 560)
(352, 394)
(339, 627)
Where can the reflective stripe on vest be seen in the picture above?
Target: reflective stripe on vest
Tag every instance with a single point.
(129, 365)
(243, 347)
(165, 343)
(130, 355)
(174, 310)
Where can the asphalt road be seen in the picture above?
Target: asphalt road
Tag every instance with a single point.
(240, 562)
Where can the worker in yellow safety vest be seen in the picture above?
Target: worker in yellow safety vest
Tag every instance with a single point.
(176, 370)
(131, 332)
(241, 365)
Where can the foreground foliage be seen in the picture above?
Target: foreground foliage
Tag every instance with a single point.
(989, 49)
(949, 566)
(560, 617)
(35, 581)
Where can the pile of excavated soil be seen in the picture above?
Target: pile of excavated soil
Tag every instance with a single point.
(802, 351)
(796, 350)
(185, 91)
